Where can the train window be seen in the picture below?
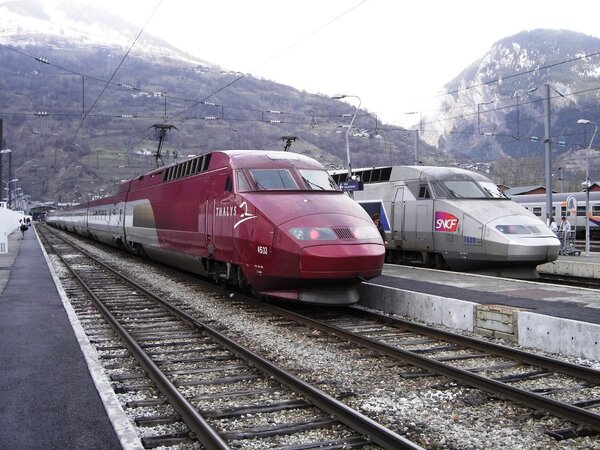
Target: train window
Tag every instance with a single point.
(242, 182)
(537, 210)
(318, 180)
(438, 190)
(375, 175)
(273, 179)
(595, 210)
(228, 184)
(340, 177)
(464, 189)
(581, 211)
(206, 162)
(492, 189)
(424, 191)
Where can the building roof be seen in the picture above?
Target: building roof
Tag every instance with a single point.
(524, 190)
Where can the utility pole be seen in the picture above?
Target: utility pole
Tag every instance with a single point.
(162, 129)
(548, 154)
(1, 168)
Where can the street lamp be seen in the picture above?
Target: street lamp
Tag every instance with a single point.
(9, 151)
(338, 97)
(10, 192)
(587, 188)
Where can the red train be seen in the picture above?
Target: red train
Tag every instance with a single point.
(271, 222)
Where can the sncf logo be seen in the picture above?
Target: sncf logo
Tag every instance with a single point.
(445, 222)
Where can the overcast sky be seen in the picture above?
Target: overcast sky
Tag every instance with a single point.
(394, 55)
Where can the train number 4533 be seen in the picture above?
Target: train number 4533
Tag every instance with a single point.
(262, 250)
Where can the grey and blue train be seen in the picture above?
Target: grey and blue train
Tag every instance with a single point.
(452, 218)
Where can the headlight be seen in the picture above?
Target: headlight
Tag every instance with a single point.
(513, 229)
(313, 234)
(365, 232)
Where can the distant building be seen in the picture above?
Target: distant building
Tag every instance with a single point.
(594, 187)
(525, 190)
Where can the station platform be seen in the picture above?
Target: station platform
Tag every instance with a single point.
(53, 390)
(552, 318)
(584, 266)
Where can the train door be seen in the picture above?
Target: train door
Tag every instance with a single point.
(398, 216)
(425, 224)
(424, 217)
(221, 216)
(209, 217)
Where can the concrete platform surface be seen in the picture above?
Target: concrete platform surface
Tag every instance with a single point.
(50, 396)
(549, 317)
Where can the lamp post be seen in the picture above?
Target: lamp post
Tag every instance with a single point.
(338, 97)
(10, 192)
(416, 136)
(9, 151)
(587, 188)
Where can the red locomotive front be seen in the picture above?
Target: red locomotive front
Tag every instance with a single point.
(272, 222)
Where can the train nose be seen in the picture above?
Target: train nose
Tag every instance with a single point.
(342, 261)
(533, 248)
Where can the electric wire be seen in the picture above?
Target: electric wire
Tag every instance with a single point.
(115, 71)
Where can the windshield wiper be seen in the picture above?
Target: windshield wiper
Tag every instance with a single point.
(310, 183)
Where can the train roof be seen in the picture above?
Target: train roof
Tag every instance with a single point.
(242, 158)
(556, 197)
(404, 173)
(218, 159)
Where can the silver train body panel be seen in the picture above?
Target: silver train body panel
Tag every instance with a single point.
(440, 216)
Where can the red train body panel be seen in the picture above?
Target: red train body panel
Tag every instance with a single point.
(273, 222)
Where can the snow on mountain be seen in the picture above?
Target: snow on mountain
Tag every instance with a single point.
(78, 24)
(496, 106)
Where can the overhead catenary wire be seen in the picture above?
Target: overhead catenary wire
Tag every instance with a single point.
(276, 55)
(195, 103)
(313, 115)
(116, 70)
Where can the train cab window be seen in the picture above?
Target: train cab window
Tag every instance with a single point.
(424, 191)
(318, 180)
(465, 189)
(492, 190)
(438, 190)
(242, 182)
(273, 179)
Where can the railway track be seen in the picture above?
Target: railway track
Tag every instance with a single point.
(498, 370)
(566, 280)
(565, 390)
(207, 388)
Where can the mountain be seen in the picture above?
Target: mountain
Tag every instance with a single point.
(78, 25)
(74, 135)
(495, 111)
